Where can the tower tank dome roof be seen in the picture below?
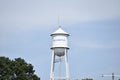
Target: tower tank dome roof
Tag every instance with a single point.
(59, 31)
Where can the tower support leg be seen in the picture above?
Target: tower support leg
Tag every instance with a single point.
(67, 65)
(52, 66)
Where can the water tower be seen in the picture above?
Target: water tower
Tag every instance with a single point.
(59, 49)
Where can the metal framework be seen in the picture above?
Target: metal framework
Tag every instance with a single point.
(53, 62)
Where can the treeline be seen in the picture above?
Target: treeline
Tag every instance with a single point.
(17, 69)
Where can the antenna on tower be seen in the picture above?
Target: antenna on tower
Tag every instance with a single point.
(59, 22)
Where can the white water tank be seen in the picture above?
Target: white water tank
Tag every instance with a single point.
(59, 42)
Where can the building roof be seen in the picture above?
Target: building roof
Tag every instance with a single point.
(59, 31)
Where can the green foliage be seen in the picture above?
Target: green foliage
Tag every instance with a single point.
(87, 79)
(16, 69)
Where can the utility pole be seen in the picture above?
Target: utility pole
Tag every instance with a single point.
(113, 76)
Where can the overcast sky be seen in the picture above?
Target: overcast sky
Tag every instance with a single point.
(93, 25)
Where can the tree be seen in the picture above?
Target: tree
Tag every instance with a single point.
(87, 79)
(16, 69)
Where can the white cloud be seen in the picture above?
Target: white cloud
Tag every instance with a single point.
(46, 12)
(98, 45)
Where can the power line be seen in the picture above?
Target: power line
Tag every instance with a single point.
(113, 76)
